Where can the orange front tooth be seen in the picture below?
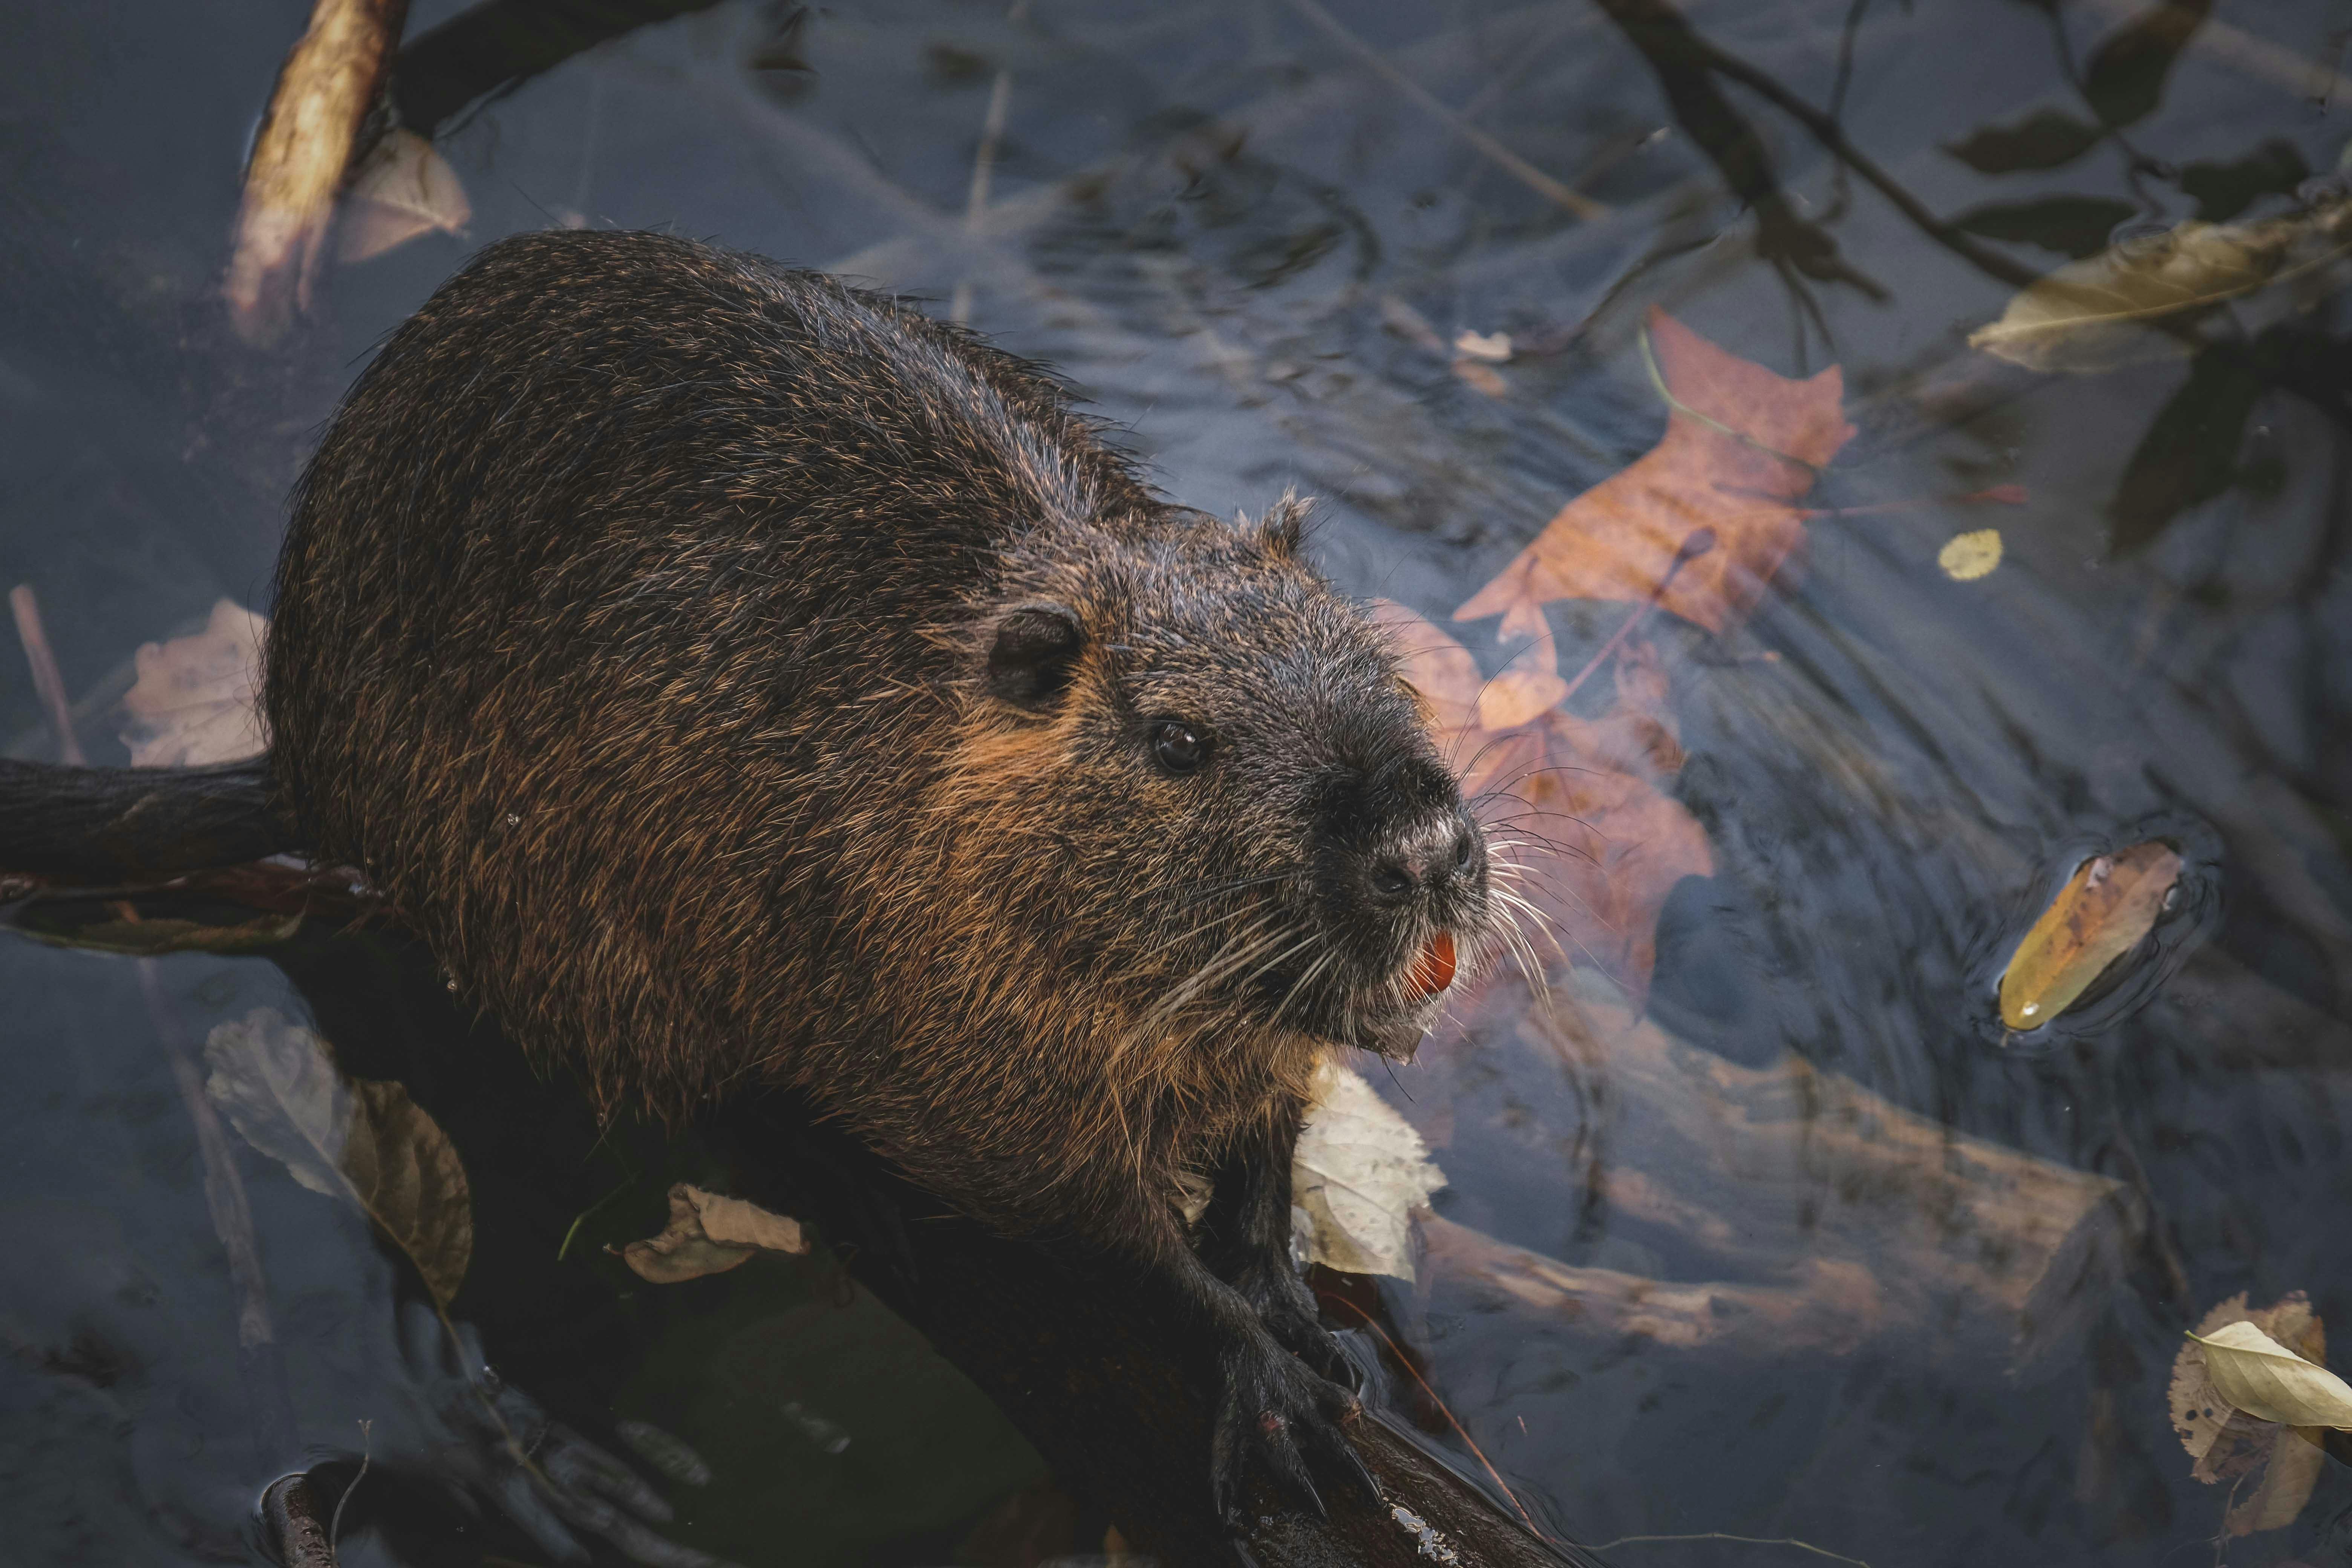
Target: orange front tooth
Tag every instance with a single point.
(1433, 971)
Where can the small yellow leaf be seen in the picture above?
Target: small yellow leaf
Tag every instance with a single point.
(2270, 1382)
(2104, 911)
(403, 189)
(1968, 556)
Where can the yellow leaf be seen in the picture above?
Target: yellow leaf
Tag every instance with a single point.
(1968, 556)
(2263, 1378)
(2104, 911)
(2094, 315)
(403, 189)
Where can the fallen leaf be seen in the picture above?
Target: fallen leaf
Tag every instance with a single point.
(404, 188)
(1359, 1173)
(2227, 1444)
(709, 1234)
(2106, 908)
(1588, 840)
(1741, 446)
(197, 699)
(2270, 1382)
(2095, 314)
(365, 1141)
(1968, 556)
(1493, 347)
(406, 1175)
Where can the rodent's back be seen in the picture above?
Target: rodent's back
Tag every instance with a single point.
(618, 593)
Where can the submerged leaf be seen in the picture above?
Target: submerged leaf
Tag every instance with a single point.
(1741, 446)
(2269, 1381)
(405, 1171)
(2100, 313)
(275, 1083)
(709, 1234)
(2190, 454)
(2102, 912)
(196, 700)
(1359, 1173)
(404, 188)
(366, 1142)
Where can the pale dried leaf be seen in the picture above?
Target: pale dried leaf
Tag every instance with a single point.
(405, 188)
(1494, 348)
(406, 1175)
(2096, 314)
(2266, 1380)
(1359, 1173)
(709, 1234)
(275, 1083)
(197, 698)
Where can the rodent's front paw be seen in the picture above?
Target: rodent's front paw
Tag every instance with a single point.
(1286, 1307)
(1275, 1412)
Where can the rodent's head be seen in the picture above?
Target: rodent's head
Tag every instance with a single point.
(1213, 792)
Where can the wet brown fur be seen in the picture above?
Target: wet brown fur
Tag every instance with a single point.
(630, 632)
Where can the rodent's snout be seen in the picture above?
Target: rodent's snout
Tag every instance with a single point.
(1428, 862)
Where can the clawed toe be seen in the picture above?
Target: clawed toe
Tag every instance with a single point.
(1275, 1414)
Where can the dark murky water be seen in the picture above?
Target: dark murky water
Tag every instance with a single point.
(1221, 223)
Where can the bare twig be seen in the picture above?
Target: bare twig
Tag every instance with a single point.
(27, 610)
(983, 165)
(328, 87)
(1518, 168)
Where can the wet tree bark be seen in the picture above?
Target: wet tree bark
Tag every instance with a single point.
(1076, 1361)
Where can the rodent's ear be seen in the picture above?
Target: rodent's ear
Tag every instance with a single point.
(1283, 528)
(1036, 646)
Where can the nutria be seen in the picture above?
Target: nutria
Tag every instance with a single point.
(738, 678)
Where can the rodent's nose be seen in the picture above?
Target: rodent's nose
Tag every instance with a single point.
(1433, 859)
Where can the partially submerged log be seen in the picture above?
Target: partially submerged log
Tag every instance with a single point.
(1075, 1360)
(1836, 1216)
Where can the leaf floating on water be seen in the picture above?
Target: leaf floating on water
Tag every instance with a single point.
(2104, 911)
(405, 1173)
(405, 188)
(2096, 314)
(1494, 348)
(1968, 556)
(2270, 1382)
(709, 1234)
(366, 1142)
(2270, 1468)
(196, 700)
(1360, 1171)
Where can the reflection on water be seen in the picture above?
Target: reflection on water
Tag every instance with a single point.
(1807, 1246)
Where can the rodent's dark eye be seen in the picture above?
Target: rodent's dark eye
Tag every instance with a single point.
(1177, 746)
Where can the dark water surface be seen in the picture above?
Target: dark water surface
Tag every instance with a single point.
(1247, 229)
